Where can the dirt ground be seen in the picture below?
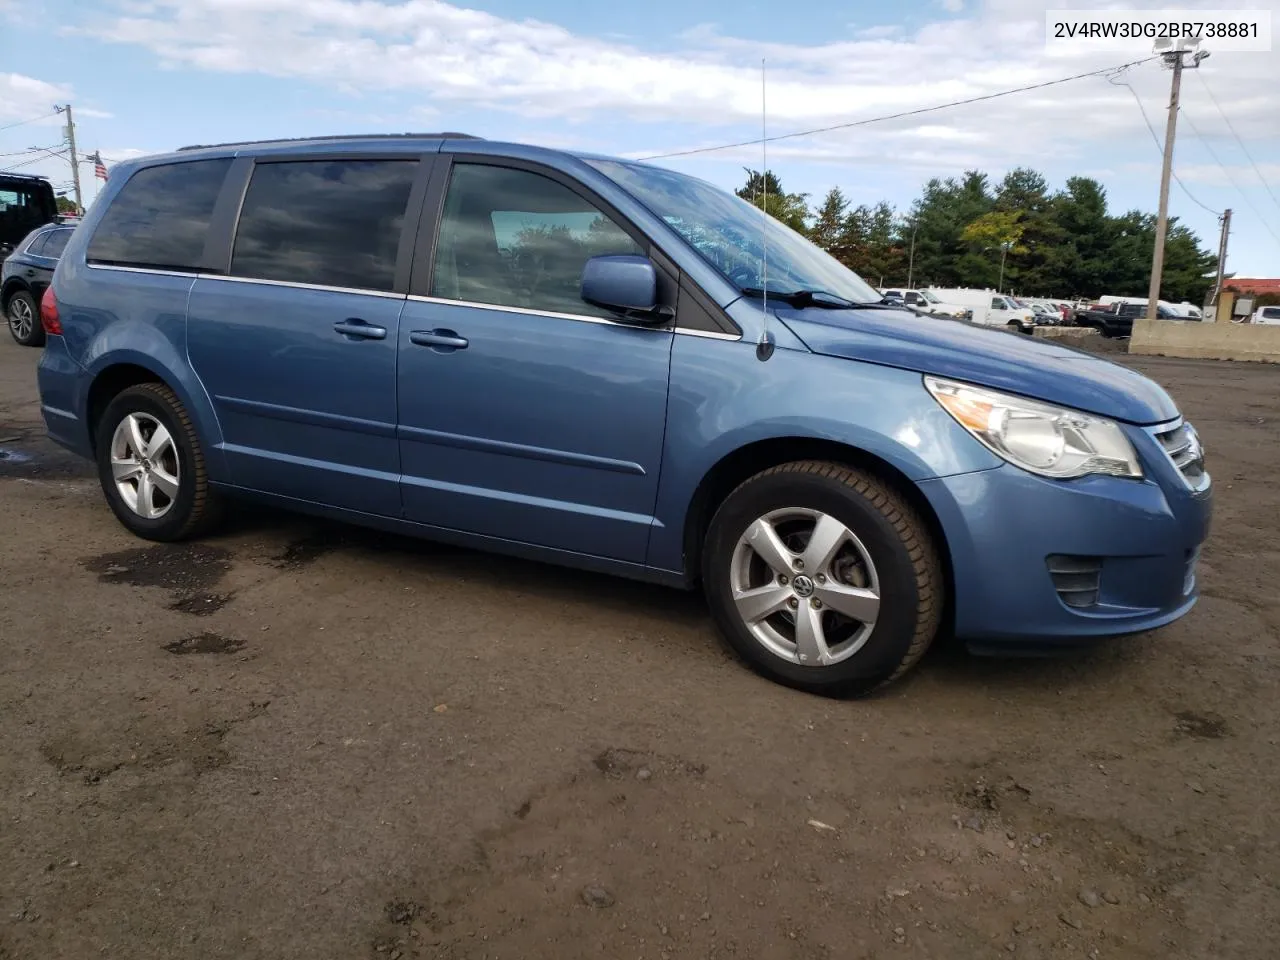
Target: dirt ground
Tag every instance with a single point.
(297, 739)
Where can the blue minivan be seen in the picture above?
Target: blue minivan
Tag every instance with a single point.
(618, 368)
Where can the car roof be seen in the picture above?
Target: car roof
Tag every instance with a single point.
(388, 143)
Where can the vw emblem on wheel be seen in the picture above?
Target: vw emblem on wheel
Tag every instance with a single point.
(803, 586)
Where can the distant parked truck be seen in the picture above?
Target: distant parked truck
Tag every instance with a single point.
(1116, 319)
(990, 308)
(1185, 309)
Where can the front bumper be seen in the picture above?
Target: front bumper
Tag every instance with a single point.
(1010, 535)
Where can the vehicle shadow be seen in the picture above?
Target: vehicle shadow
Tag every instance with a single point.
(302, 540)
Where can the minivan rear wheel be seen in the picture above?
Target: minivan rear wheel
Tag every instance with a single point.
(823, 577)
(151, 466)
(23, 316)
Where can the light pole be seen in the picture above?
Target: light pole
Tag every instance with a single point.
(911, 261)
(1004, 252)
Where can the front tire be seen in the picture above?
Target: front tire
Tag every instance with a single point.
(151, 465)
(823, 578)
(23, 315)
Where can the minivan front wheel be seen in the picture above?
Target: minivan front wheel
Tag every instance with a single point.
(823, 578)
(151, 466)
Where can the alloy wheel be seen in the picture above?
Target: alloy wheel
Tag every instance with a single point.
(21, 318)
(805, 586)
(144, 465)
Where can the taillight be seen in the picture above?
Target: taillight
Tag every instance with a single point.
(49, 313)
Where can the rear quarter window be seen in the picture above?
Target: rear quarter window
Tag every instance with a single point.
(161, 216)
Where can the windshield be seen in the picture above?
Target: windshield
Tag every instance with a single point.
(728, 232)
(928, 295)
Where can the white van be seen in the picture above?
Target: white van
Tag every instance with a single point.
(991, 309)
(925, 300)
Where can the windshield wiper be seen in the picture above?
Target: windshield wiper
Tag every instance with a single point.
(804, 298)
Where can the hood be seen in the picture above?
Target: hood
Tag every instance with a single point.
(986, 357)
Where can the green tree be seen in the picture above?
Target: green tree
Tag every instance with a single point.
(66, 204)
(999, 230)
(766, 193)
(828, 223)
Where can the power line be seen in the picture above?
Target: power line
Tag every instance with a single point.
(897, 116)
(1227, 170)
(1116, 81)
(1230, 127)
(43, 156)
(20, 123)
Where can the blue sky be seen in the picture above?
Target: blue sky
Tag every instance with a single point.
(639, 79)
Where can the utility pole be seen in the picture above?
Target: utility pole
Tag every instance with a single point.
(75, 157)
(1173, 57)
(1222, 254)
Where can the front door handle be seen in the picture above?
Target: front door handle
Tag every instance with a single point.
(441, 340)
(358, 329)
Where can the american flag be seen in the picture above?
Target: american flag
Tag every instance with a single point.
(99, 169)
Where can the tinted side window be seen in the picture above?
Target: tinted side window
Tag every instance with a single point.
(520, 239)
(36, 246)
(161, 216)
(334, 223)
(997, 303)
(56, 243)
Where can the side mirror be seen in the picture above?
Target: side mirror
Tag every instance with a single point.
(626, 284)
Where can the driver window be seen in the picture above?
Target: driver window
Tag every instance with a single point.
(913, 298)
(997, 303)
(519, 239)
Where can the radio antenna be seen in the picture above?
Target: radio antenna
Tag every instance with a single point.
(764, 347)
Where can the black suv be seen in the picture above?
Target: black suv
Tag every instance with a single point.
(25, 203)
(25, 275)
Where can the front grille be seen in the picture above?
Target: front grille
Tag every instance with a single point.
(1075, 578)
(1182, 446)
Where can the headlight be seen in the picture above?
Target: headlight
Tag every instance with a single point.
(1038, 437)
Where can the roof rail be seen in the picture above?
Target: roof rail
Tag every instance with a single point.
(448, 135)
(21, 176)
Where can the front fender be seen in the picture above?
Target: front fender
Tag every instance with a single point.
(723, 399)
(143, 345)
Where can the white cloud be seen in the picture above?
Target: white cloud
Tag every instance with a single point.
(23, 97)
(460, 59)
(882, 32)
(953, 6)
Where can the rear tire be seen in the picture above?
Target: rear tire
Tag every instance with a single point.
(151, 465)
(23, 316)
(823, 578)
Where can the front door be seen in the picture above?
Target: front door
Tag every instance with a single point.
(297, 345)
(526, 414)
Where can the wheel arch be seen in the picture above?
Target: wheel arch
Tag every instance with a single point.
(746, 461)
(13, 285)
(110, 375)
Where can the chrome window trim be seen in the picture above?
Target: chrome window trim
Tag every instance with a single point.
(122, 269)
(299, 285)
(581, 317)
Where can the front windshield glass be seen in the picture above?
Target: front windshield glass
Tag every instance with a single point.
(728, 232)
(928, 295)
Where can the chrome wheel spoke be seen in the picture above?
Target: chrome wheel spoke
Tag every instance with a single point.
(763, 539)
(146, 496)
(829, 535)
(811, 641)
(133, 427)
(160, 443)
(856, 603)
(125, 469)
(761, 602)
(166, 483)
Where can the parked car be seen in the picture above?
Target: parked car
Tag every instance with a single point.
(25, 203)
(23, 278)
(1269, 315)
(577, 359)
